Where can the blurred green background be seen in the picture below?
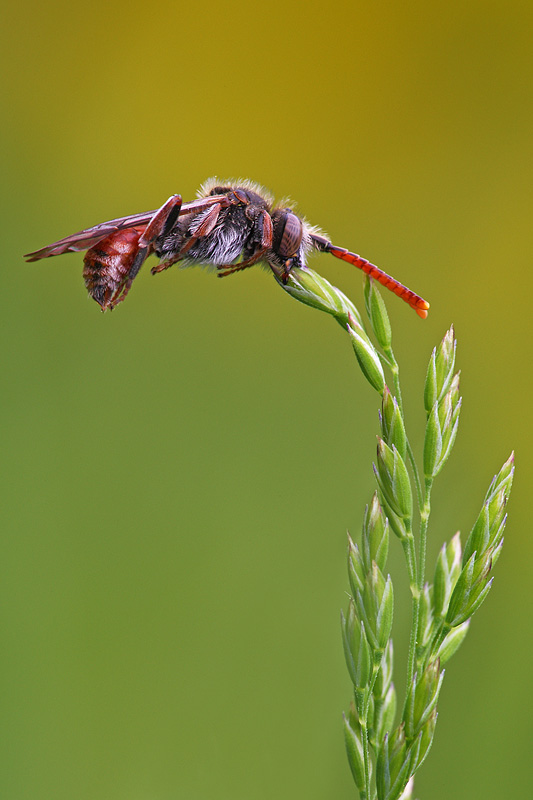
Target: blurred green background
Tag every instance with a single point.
(179, 475)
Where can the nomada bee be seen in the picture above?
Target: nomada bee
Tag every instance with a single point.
(231, 225)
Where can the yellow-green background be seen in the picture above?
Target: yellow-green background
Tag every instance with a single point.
(178, 476)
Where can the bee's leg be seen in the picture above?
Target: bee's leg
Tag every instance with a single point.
(110, 266)
(204, 226)
(123, 290)
(162, 222)
(262, 234)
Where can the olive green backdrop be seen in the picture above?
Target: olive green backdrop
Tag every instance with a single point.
(178, 476)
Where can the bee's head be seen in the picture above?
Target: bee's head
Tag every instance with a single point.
(287, 233)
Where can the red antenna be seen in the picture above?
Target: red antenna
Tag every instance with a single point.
(420, 306)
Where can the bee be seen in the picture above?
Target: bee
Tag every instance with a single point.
(231, 225)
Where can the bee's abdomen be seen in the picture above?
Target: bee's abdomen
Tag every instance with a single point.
(106, 266)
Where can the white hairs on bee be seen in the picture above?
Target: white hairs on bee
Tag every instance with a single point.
(239, 183)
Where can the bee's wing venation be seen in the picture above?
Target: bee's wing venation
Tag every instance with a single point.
(87, 238)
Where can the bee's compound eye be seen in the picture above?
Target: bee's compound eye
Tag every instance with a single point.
(287, 234)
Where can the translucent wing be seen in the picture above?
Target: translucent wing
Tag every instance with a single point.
(91, 236)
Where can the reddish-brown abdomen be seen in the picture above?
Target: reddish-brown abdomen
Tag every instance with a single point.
(107, 265)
